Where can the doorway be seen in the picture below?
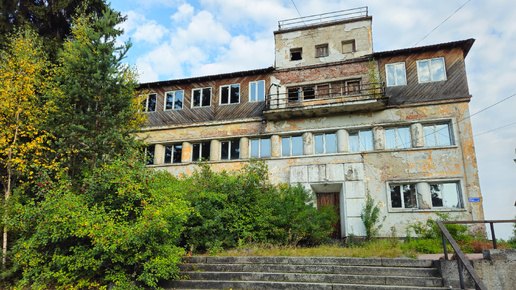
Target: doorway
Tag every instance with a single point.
(332, 199)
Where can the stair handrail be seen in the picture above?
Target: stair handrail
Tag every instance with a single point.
(461, 258)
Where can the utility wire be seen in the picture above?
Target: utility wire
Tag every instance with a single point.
(489, 131)
(441, 23)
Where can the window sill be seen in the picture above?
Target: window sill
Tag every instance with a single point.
(391, 210)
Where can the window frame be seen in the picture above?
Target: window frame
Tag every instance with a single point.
(324, 48)
(429, 66)
(150, 156)
(230, 87)
(325, 143)
(146, 106)
(173, 100)
(394, 66)
(397, 138)
(402, 196)
(458, 187)
(260, 147)
(201, 151)
(172, 153)
(294, 52)
(256, 91)
(230, 143)
(290, 145)
(458, 192)
(451, 135)
(201, 97)
(360, 140)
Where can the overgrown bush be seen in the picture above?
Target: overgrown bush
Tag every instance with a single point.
(121, 226)
(243, 207)
(370, 216)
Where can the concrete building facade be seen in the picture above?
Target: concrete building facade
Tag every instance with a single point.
(336, 117)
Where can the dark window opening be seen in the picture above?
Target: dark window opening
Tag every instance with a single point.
(296, 54)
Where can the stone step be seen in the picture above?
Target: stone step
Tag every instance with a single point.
(389, 262)
(317, 278)
(320, 269)
(219, 284)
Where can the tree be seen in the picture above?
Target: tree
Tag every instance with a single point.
(25, 82)
(51, 19)
(98, 112)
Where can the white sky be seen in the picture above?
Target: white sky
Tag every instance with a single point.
(177, 39)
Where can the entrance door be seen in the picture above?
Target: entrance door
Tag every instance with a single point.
(331, 198)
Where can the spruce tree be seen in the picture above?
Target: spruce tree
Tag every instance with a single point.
(97, 112)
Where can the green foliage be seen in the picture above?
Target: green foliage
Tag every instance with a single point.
(370, 216)
(97, 115)
(429, 235)
(243, 207)
(122, 226)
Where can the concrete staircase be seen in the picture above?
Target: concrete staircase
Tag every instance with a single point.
(306, 273)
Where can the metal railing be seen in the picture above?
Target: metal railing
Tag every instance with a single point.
(316, 95)
(323, 18)
(461, 258)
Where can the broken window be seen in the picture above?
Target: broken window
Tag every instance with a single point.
(173, 153)
(325, 143)
(294, 94)
(149, 104)
(321, 50)
(201, 151)
(174, 100)
(353, 87)
(292, 146)
(230, 149)
(438, 135)
(348, 46)
(229, 94)
(260, 148)
(446, 195)
(201, 97)
(361, 140)
(149, 154)
(404, 196)
(397, 138)
(431, 70)
(256, 91)
(308, 93)
(296, 54)
(395, 73)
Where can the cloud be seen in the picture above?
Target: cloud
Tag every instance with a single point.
(184, 13)
(150, 32)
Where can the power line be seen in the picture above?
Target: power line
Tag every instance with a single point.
(441, 23)
(489, 131)
(492, 105)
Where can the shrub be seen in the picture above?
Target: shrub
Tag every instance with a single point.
(120, 226)
(370, 216)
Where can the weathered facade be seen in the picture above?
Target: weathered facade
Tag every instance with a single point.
(336, 117)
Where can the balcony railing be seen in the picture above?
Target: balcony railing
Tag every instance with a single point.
(324, 96)
(323, 18)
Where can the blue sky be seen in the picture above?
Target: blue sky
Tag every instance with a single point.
(178, 39)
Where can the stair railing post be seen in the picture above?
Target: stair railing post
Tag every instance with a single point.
(493, 235)
(461, 276)
(444, 247)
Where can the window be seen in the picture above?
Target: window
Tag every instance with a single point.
(201, 151)
(395, 74)
(361, 140)
(229, 94)
(256, 91)
(294, 94)
(431, 70)
(446, 195)
(292, 146)
(174, 100)
(397, 138)
(149, 154)
(201, 97)
(348, 46)
(325, 143)
(321, 50)
(437, 135)
(260, 148)
(173, 153)
(296, 54)
(404, 196)
(230, 149)
(149, 104)
(353, 87)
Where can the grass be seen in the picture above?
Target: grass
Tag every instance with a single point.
(385, 248)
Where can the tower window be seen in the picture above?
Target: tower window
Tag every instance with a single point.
(296, 54)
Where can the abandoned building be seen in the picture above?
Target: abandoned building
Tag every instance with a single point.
(338, 118)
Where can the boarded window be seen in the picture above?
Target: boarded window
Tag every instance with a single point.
(348, 46)
(321, 50)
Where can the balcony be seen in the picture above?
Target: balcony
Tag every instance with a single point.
(325, 99)
(324, 18)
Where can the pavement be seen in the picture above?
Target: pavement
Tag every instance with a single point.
(441, 256)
